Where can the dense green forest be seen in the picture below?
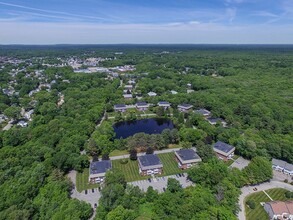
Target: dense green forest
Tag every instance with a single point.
(250, 87)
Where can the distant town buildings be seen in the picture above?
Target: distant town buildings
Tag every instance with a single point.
(120, 108)
(142, 106)
(214, 121)
(164, 104)
(152, 94)
(203, 112)
(185, 107)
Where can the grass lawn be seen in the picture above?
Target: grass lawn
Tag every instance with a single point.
(118, 153)
(229, 162)
(171, 146)
(82, 181)
(130, 169)
(170, 166)
(259, 213)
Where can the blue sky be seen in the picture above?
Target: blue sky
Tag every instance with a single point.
(146, 21)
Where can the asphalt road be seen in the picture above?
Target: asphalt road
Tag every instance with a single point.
(247, 190)
(160, 183)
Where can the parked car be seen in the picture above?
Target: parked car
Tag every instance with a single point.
(93, 190)
(149, 180)
(95, 205)
(85, 191)
(183, 174)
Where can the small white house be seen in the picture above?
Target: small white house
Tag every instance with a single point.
(152, 94)
(22, 124)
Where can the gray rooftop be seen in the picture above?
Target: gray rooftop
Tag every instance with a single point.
(214, 120)
(283, 164)
(280, 163)
(149, 160)
(221, 146)
(120, 106)
(187, 154)
(100, 166)
(289, 167)
(164, 103)
(141, 104)
(202, 111)
(185, 105)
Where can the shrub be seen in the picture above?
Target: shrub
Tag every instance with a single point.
(289, 194)
(124, 161)
(251, 204)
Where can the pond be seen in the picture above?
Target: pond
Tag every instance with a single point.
(149, 126)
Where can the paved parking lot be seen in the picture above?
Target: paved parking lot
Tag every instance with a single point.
(240, 163)
(279, 176)
(159, 183)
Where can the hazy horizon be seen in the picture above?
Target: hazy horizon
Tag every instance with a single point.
(146, 22)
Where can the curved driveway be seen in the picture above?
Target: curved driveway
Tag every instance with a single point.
(247, 190)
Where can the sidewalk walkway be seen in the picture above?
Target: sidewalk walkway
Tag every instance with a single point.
(143, 153)
(268, 195)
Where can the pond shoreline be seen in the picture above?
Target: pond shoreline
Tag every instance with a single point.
(126, 129)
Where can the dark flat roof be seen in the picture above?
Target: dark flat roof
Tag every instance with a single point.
(149, 160)
(223, 146)
(164, 103)
(141, 103)
(120, 106)
(187, 154)
(100, 166)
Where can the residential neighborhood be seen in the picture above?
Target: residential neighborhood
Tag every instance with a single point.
(142, 132)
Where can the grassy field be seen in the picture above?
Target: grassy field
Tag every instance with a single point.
(229, 162)
(129, 169)
(82, 181)
(170, 165)
(259, 213)
(118, 153)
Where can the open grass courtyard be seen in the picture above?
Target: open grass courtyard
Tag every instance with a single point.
(259, 213)
(170, 166)
(129, 169)
(131, 172)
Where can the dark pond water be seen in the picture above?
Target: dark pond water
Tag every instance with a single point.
(149, 126)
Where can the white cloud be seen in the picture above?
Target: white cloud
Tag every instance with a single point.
(265, 14)
(52, 11)
(231, 13)
(88, 33)
(194, 22)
